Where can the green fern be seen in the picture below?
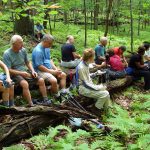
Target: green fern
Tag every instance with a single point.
(15, 147)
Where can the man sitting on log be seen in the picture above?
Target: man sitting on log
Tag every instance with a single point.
(137, 68)
(6, 87)
(100, 51)
(86, 86)
(45, 67)
(70, 59)
(18, 64)
(116, 66)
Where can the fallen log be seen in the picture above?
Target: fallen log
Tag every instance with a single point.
(119, 84)
(24, 127)
(26, 122)
(63, 111)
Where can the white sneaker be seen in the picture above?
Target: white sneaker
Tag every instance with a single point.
(64, 91)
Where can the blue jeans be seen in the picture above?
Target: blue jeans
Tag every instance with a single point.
(146, 75)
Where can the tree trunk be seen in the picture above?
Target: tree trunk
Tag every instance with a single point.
(107, 16)
(131, 26)
(139, 20)
(85, 24)
(24, 26)
(96, 12)
(65, 17)
(45, 16)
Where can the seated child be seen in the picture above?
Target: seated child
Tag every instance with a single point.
(6, 87)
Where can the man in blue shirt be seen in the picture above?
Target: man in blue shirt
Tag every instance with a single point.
(100, 51)
(45, 66)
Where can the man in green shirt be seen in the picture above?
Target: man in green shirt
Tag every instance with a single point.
(100, 51)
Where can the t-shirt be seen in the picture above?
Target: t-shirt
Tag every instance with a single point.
(147, 53)
(134, 59)
(99, 51)
(41, 56)
(39, 27)
(16, 60)
(67, 52)
(117, 51)
(116, 63)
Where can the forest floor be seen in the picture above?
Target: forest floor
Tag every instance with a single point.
(129, 119)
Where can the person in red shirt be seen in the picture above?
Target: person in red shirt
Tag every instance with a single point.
(120, 51)
(117, 67)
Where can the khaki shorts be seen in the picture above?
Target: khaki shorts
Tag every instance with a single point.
(46, 76)
(17, 79)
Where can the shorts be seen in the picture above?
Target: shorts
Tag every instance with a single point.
(46, 76)
(17, 79)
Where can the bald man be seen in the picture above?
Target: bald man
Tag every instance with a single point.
(100, 51)
(70, 59)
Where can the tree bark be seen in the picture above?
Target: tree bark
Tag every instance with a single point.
(65, 17)
(107, 16)
(139, 19)
(24, 26)
(85, 24)
(96, 12)
(131, 26)
(46, 15)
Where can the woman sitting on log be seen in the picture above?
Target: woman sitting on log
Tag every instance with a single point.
(116, 66)
(86, 86)
(6, 87)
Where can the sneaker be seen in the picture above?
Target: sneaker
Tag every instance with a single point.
(44, 102)
(64, 91)
(34, 101)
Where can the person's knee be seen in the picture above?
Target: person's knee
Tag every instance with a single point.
(41, 81)
(24, 84)
(63, 75)
(6, 90)
(53, 82)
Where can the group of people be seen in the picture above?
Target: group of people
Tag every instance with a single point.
(112, 60)
(20, 70)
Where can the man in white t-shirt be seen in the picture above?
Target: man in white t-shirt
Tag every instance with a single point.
(147, 53)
